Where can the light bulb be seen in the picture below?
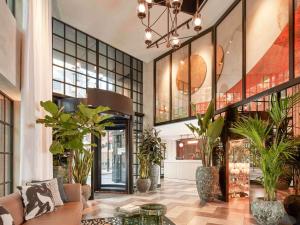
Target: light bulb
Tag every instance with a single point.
(148, 36)
(197, 21)
(149, 1)
(141, 10)
(175, 41)
(180, 145)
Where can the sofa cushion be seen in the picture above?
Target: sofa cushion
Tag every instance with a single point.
(37, 200)
(53, 186)
(14, 205)
(68, 214)
(5, 217)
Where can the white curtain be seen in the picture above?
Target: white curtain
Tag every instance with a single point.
(36, 161)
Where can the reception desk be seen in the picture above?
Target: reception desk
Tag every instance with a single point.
(181, 169)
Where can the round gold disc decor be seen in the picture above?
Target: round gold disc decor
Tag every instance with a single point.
(198, 74)
(220, 61)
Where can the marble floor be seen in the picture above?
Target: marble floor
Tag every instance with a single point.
(182, 203)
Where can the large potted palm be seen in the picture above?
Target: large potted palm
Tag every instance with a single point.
(273, 147)
(70, 131)
(208, 134)
(152, 145)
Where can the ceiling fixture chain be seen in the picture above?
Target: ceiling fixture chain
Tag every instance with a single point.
(172, 9)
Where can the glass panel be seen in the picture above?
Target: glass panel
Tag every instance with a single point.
(81, 53)
(127, 59)
(70, 63)
(180, 83)
(58, 73)
(127, 92)
(70, 90)
(8, 168)
(119, 80)
(119, 68)
(111, 87)
(111, 52)
(102, 61)
(127, 83)
(134, 63)
(81, 38)
(201, 73)
(111, 65)
(119, 90)
(92, 70)
(58, 43)
(2, 138)
(113, 158)
(92, 57)
(70, 48)
(58, 58)
(102, 48)
(162, 90)
(8, 111)
(58, 28)
(140, 66)
(1, 168)
(70, 33)
(229, 58)
(92, 43)
(8, 140)
(119, 55)
(134, 74)
(81, 93)
(58, 87)
(140, 77)
(7, 188)
(81, 80)
(111, 77)
(102, 74)
(2, 102)
(102, 85)
(92, 83)
(81, 66)
(70, 77)
(126, 71)
(267, 52)
(297, 38)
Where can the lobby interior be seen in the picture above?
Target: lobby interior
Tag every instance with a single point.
(125, 105)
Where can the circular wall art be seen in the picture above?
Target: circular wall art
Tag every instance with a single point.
(198, 74)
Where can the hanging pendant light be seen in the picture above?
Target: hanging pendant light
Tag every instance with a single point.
(148, 36)
(141, 9)
(175, 41)
(197, 21)
(176, 3)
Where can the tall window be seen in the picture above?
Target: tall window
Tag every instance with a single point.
(80, 61)
(6, 153)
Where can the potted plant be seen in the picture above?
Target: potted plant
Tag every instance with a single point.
(69, 131)
(207, 132)
(152, 145)
(143, 183)
(273, 147)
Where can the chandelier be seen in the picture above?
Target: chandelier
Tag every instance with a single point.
(172, 9)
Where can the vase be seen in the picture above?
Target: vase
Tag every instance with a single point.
(143, 185)
(154, 176)
(267, 212)
(207, 183)
(86, 193)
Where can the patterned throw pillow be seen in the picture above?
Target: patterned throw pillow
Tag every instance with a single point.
(53, 186)
(37, 200)
(5, 217)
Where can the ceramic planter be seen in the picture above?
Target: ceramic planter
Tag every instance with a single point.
(207, 183)
(267, 212)
(154, 176)
(86, 194)
(143, 185)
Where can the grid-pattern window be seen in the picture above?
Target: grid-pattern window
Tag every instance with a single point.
(11, 5)
(6, 152)
(81, 61)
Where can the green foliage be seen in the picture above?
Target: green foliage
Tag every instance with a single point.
(270, 141)
(144, 165)
(152, 146)
(207, 132)
(69, 130)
